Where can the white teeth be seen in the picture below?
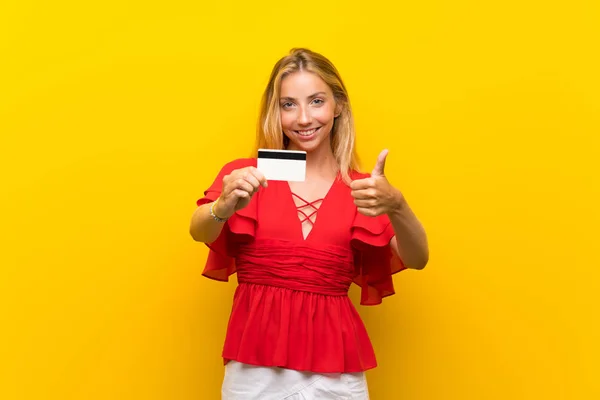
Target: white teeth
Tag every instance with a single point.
(308, 132)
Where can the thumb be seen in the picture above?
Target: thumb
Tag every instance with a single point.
(379, 167)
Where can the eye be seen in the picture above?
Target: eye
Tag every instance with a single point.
(318, 101)
(286, 105)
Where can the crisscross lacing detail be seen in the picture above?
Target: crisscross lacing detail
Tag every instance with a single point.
(307, 217)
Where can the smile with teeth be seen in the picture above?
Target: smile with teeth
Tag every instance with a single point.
(307, 132)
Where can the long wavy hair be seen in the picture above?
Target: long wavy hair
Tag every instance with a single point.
(343, 136)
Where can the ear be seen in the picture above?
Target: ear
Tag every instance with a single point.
(338, 110)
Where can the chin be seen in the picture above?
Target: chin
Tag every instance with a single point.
(306, 145)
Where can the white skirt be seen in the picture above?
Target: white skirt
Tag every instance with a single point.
(249, 382)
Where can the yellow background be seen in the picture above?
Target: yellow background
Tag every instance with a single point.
(115, 116)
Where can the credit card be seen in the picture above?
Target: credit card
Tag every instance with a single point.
(282, 165)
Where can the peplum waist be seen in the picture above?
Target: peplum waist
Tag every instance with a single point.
(291, 309)
(326, 270)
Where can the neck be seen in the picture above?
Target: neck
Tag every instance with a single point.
(320, 163)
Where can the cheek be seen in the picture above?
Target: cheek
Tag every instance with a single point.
(325, 115)
(287, 119)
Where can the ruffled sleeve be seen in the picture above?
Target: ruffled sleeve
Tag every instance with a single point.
(374, 260)
(239, 228)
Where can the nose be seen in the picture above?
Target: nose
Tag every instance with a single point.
(304, 117)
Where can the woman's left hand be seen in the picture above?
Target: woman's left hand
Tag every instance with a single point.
(375, 195)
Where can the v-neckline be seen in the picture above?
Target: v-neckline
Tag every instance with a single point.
(299, 223)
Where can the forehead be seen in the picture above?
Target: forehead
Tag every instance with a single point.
(303, 84)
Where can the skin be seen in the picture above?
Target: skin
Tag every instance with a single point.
(308, 109)
(307, 105)
(375, 196)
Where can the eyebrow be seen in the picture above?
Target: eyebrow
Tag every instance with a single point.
(309, 97)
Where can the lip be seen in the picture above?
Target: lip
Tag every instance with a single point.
(307, 137)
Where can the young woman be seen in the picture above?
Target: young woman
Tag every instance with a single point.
(293, 332)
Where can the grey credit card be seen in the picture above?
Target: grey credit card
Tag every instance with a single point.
(282, 165)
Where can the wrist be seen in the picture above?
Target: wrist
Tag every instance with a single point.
(399, 204)
(217, 214)
(220, 209)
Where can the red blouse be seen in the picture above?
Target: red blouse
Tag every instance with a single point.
(291, 308)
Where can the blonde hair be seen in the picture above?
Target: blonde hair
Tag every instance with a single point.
(269, 133)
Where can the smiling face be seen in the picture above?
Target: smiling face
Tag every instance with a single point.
(307, 109)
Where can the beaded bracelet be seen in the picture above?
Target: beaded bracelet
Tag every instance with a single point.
(212, 212)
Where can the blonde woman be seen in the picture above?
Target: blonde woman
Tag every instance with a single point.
(293, 332)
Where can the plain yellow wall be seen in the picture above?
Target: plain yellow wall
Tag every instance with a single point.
(115, 116)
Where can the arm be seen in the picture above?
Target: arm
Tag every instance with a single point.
(410, 241)
(375, 196)
(203, 227)
(237, 190)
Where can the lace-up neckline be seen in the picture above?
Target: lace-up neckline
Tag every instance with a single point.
(307, 212)
(311, 204)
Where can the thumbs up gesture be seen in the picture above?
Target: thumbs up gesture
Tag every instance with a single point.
(375, 195)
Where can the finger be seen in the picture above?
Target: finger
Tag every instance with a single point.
(360, 184)
(368, 211)
(241, 194)
(380, 165)
(252, 180)
(259, 176)
(366, 203)
(242, 184)
(369, 193)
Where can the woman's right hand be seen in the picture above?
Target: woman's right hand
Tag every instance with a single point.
(238, 188)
